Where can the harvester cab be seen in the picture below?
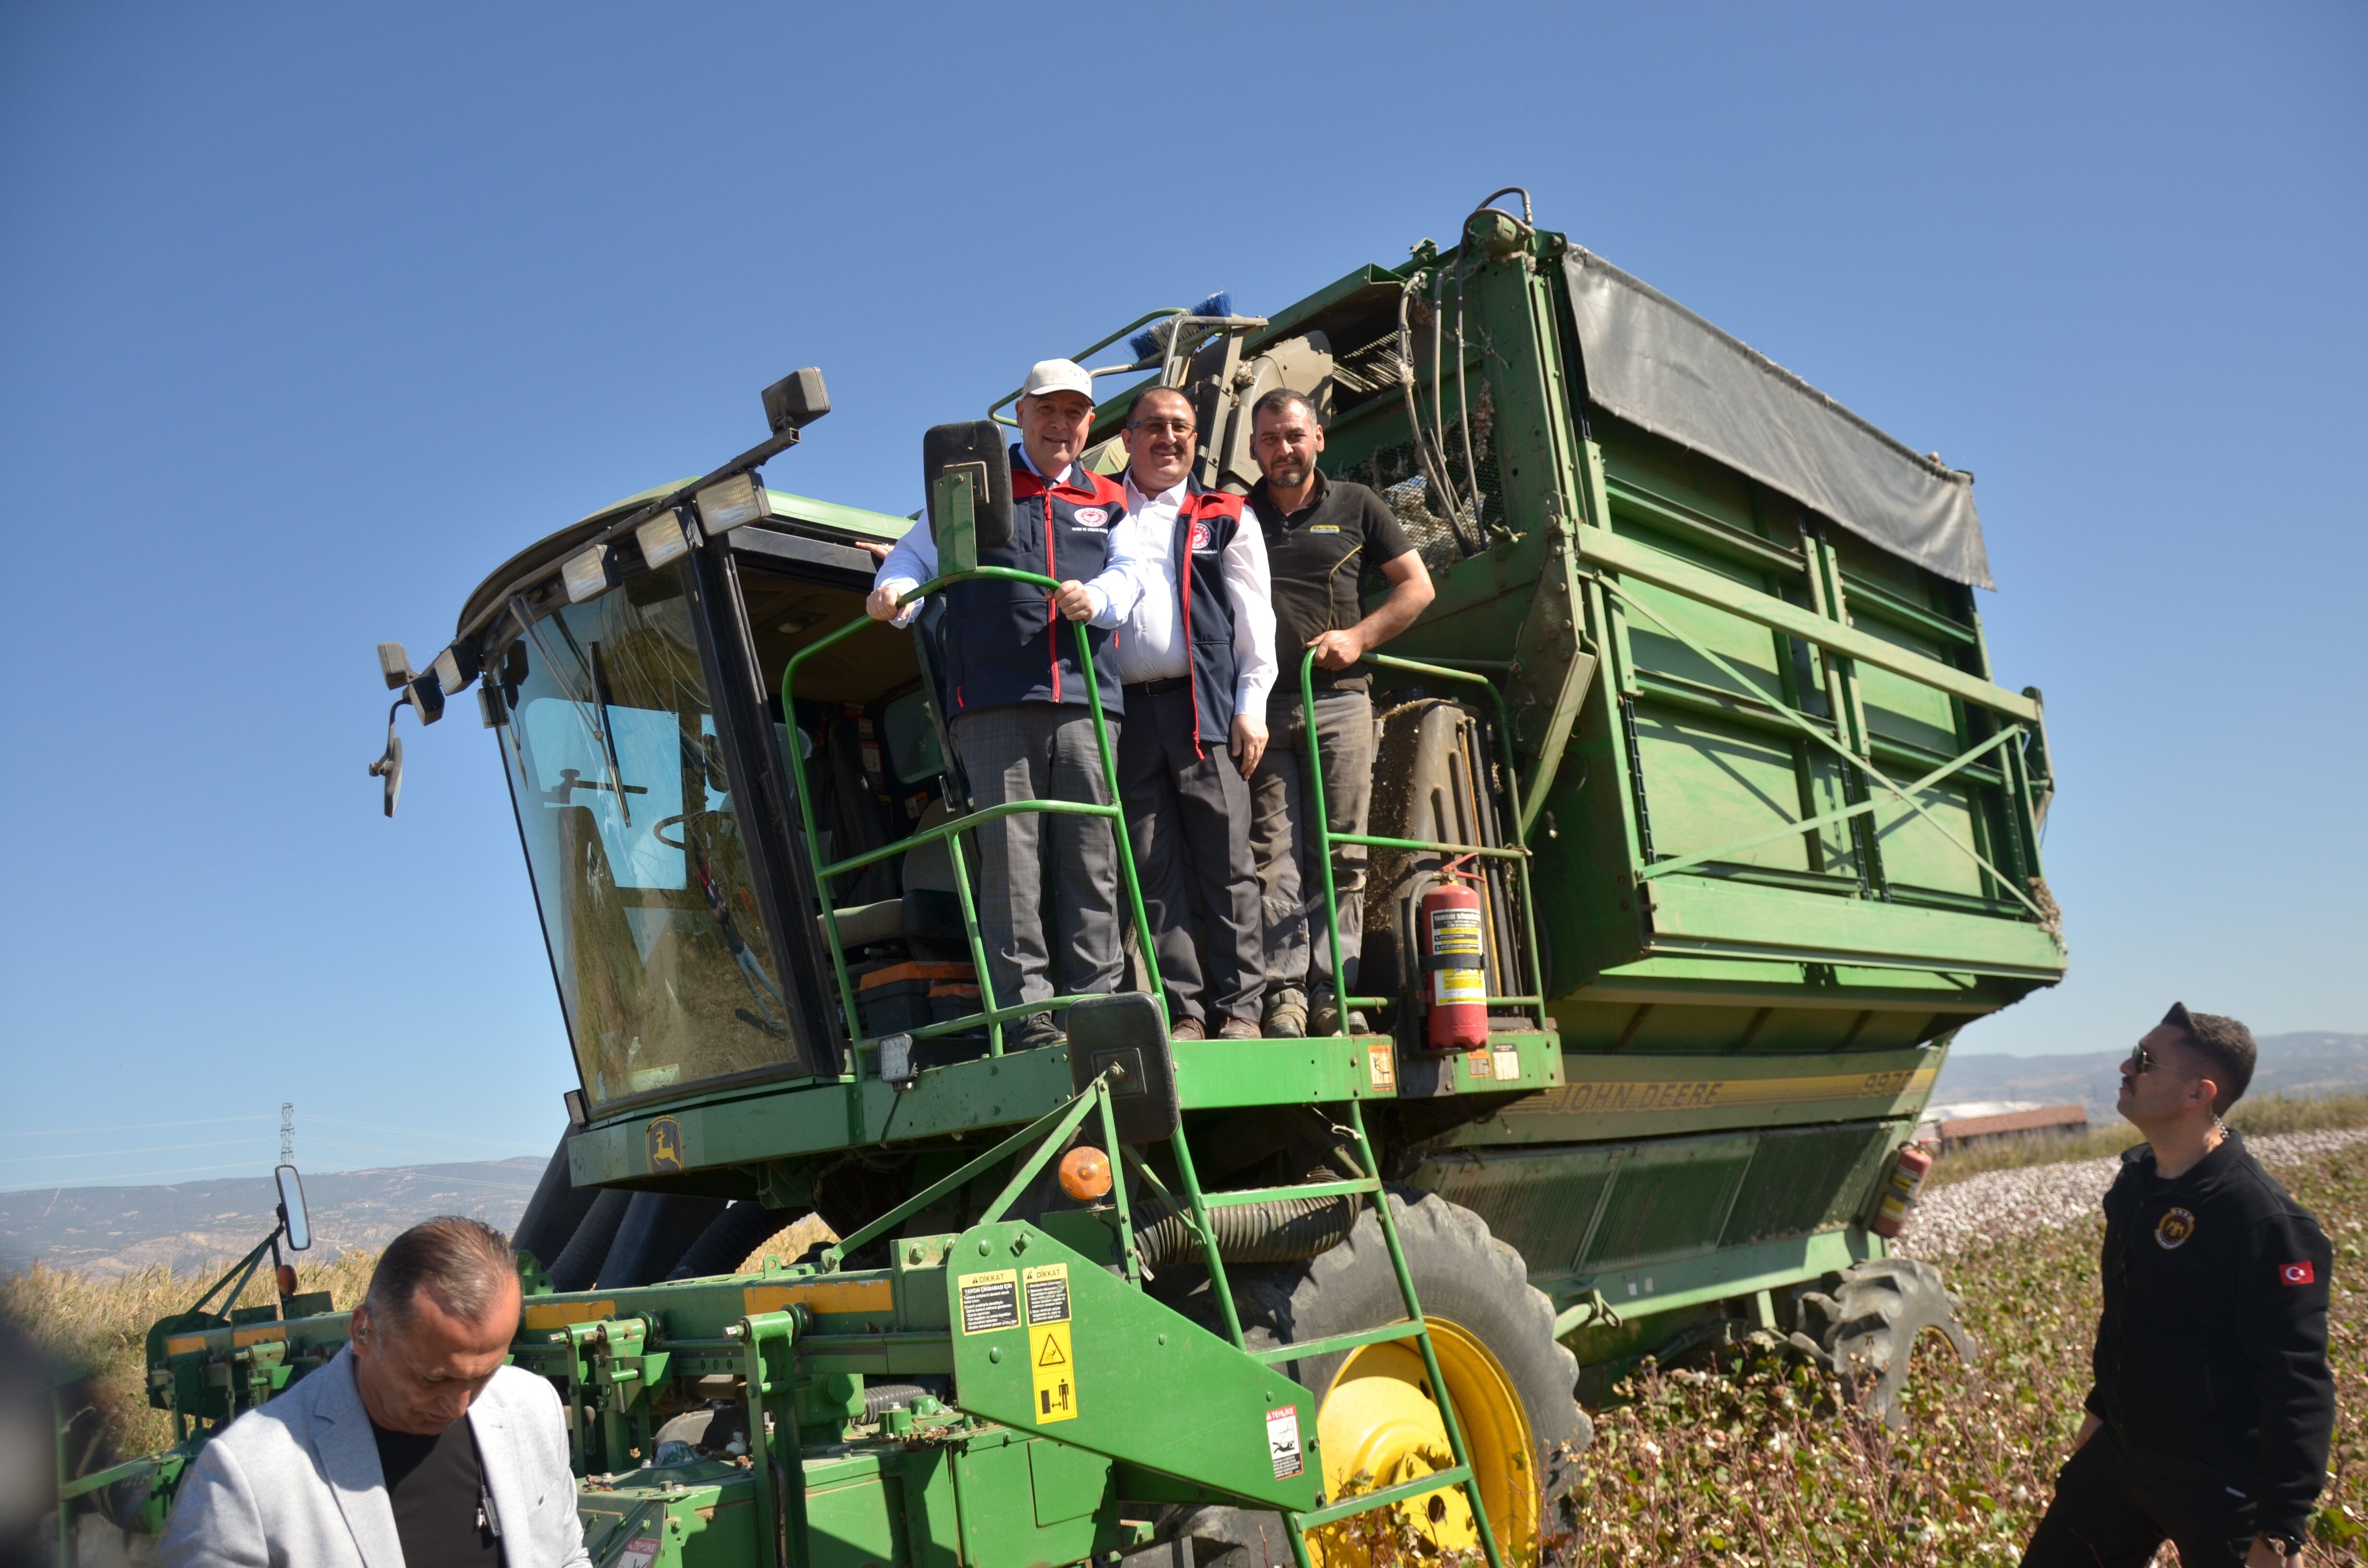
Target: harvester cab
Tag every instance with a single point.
(1698, 829)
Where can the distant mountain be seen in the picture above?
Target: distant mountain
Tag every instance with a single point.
(2294, 1065)
(114, 1230)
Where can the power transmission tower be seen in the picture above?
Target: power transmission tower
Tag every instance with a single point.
(286, 1132)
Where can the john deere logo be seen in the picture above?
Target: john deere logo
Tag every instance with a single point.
(2173, 1229)
(664, 1138)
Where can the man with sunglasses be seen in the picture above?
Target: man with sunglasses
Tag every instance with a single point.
(2211, 1408)
(1196, 656)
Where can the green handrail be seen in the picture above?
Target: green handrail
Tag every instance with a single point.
(1516, 855)
(950, 833)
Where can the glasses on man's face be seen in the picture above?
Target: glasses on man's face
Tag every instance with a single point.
(1164, 427)
(2143, 1061)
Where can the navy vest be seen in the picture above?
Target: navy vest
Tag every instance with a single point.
(1205, 525)
(1005, 642)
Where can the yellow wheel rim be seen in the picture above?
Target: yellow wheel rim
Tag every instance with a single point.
(1378, 1427)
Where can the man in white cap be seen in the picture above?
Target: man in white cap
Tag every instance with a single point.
(1017, 706)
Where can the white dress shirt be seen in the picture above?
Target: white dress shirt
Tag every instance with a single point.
(1143, 603)
(914, 560)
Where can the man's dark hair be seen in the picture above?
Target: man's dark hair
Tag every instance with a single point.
(1280, 399)
(1135, 405)
(463, 1262)
(2224, 1043)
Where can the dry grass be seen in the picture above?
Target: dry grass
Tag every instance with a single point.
(2254, 1119)
(100, 1326)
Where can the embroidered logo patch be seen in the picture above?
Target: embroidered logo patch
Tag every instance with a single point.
(2172, 1230)
(2297, 1274)
(1091, 516)
(1200, 534)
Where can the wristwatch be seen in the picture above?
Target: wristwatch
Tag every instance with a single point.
(2287, 1545)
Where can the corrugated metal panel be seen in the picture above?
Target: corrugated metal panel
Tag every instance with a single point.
(1670, 1198)
(1797, 1178)
(1538, 1203)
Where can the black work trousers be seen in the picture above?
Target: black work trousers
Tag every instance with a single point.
(1188, 816)
(2111, 1511)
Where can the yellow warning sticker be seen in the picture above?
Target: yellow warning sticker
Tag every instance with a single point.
(1052, 1358)
(1381, 1069)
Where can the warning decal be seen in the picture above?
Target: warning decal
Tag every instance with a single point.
(990, 1300)
(1478, 1064)
(1051, 1361)
(1048, 1293)
(1508, 1063)
(1454, 931)
(1282, 1442)
(640, 1553)
(1381, 1069)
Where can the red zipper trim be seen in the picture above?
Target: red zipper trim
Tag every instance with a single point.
(1184, 581)
(1051, 608)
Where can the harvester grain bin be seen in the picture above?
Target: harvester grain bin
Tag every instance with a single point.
(1703, 715)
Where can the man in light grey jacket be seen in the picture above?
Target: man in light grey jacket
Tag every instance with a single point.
(414, 1448)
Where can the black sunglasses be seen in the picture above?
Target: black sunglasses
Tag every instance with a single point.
(2145, 1061)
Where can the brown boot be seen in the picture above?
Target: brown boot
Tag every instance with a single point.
(1189, 1028)
(1239, 1029)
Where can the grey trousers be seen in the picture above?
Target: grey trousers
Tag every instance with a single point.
(1042, 751)
(1187, 821)
(1290, 876)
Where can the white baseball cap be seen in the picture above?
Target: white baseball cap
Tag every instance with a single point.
(1057, 375)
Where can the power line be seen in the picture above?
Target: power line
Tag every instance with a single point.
(128, 1127)
(419, 1131)
(104, 1153)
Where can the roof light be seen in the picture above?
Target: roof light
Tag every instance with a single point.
(586, 573)
(448, 673)
(662, 539)
(731, 502)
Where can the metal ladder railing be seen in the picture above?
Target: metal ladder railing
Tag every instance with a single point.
(1516, 855)
(949, 833)
(1413, 1326)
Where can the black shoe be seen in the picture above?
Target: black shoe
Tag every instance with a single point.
(1038, 1030)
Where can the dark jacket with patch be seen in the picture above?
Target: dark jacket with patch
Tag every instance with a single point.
(2211, 1358)
(1005, 642)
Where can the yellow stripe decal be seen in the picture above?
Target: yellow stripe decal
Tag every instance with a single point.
(258, 1336)
(184, 1344)
(559, 1314)
(1601, 1098)
(822, 1296)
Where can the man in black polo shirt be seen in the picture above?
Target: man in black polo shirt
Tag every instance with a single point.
(1320, 536)
(2209, 1419)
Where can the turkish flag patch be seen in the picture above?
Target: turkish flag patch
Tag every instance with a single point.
(2297, 1274)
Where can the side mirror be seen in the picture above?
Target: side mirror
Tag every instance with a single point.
(796, 400)
(292, 1217)
(1126, 1030)
(972, 456)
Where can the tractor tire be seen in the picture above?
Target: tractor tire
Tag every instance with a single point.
(1510, 1381)
(578, 1263)
(1865, 1332)
(552, 1215)
(658, 1228)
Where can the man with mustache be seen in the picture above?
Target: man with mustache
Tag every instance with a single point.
(1196, 656)
(1320, 535)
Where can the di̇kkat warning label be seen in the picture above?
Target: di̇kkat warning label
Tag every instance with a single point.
(990, 1300)
(1282, 1442)
(1052, 1355)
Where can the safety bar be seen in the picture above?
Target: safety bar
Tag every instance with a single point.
(950, 833)
(1516, 855)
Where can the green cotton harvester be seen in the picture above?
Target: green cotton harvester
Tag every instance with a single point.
(1703, 715)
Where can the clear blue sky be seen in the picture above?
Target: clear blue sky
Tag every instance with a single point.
(313, 314)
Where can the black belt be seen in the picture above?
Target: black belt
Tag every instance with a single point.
(1157, 687)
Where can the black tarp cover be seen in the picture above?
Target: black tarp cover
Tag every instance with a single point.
(1655, 364)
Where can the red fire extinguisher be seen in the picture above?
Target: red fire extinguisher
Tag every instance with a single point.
(1455, 1000)
(1899, 1187)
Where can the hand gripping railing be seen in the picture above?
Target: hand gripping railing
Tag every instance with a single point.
(950, 833)
(1516, 855)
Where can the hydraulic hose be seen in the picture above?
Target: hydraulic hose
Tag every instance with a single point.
(1282, 1230)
